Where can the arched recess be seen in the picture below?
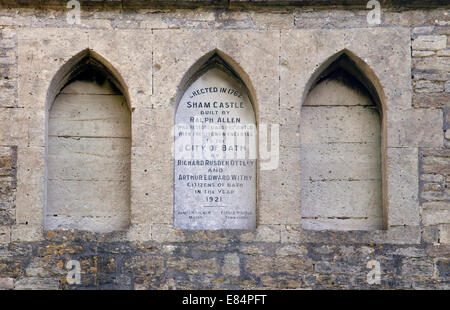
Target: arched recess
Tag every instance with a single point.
(88, 147)
(343, 147)
(215, 153)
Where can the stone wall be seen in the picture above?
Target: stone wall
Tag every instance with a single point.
(277, 50)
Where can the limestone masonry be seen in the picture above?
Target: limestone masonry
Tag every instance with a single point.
(224, 144)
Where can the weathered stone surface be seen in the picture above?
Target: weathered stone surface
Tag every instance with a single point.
(151, 199)
(43, 269)
(290, 265)
(417, 267)
(444, 234)
(444, 53)
(423, 30)
(275, 49)
(25, 232)
(270, 21)
(8, 185)
(410, 252)
(193, 266)
(148, 265)
(436, 161)
(438, 250)
(313, 56)
(443, 267)
(6, 283)
(402, 171)
(339, 124)
(419, 75)
(415, 127)
(430, 100)
(5, 235)
(342, 224)
(346, 197)
(428, 87)
(288, 250)
(231, 265)
(436, 213)
(432, 63)
(429, 42)
(430, 234)
(36, 284)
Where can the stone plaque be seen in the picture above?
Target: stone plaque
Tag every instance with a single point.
(215, 154)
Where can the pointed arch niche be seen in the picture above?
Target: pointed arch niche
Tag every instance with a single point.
(215, 167)
(342, 148)
(88, 147)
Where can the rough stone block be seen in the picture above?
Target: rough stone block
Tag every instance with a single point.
(267, 265)
(151, 265)
(424, 86)
(423, 30)
(35, 283)
(402, 173)
(444, 233)
(24, 232)
(417, 267)
(285, 194)
(342, 224)
(139, 232)
(436, 161)
(289, 250)
(415, 127)
(29, 203)
(429, 42)
(208, 266)
(231, 265)
(6, 283)
(151, 186)
(430, 234)
(166, 233)
(266, 233)
(5, 234)
(432, 63)
(434, 213)
(443, 267)
(433, 100)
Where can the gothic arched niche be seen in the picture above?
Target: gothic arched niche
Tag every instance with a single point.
(88, 150)
(341, 156)
(215, 152)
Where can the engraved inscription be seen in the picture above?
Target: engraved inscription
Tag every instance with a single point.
(215, 155)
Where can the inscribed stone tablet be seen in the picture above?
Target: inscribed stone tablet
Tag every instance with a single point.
(215, 155)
